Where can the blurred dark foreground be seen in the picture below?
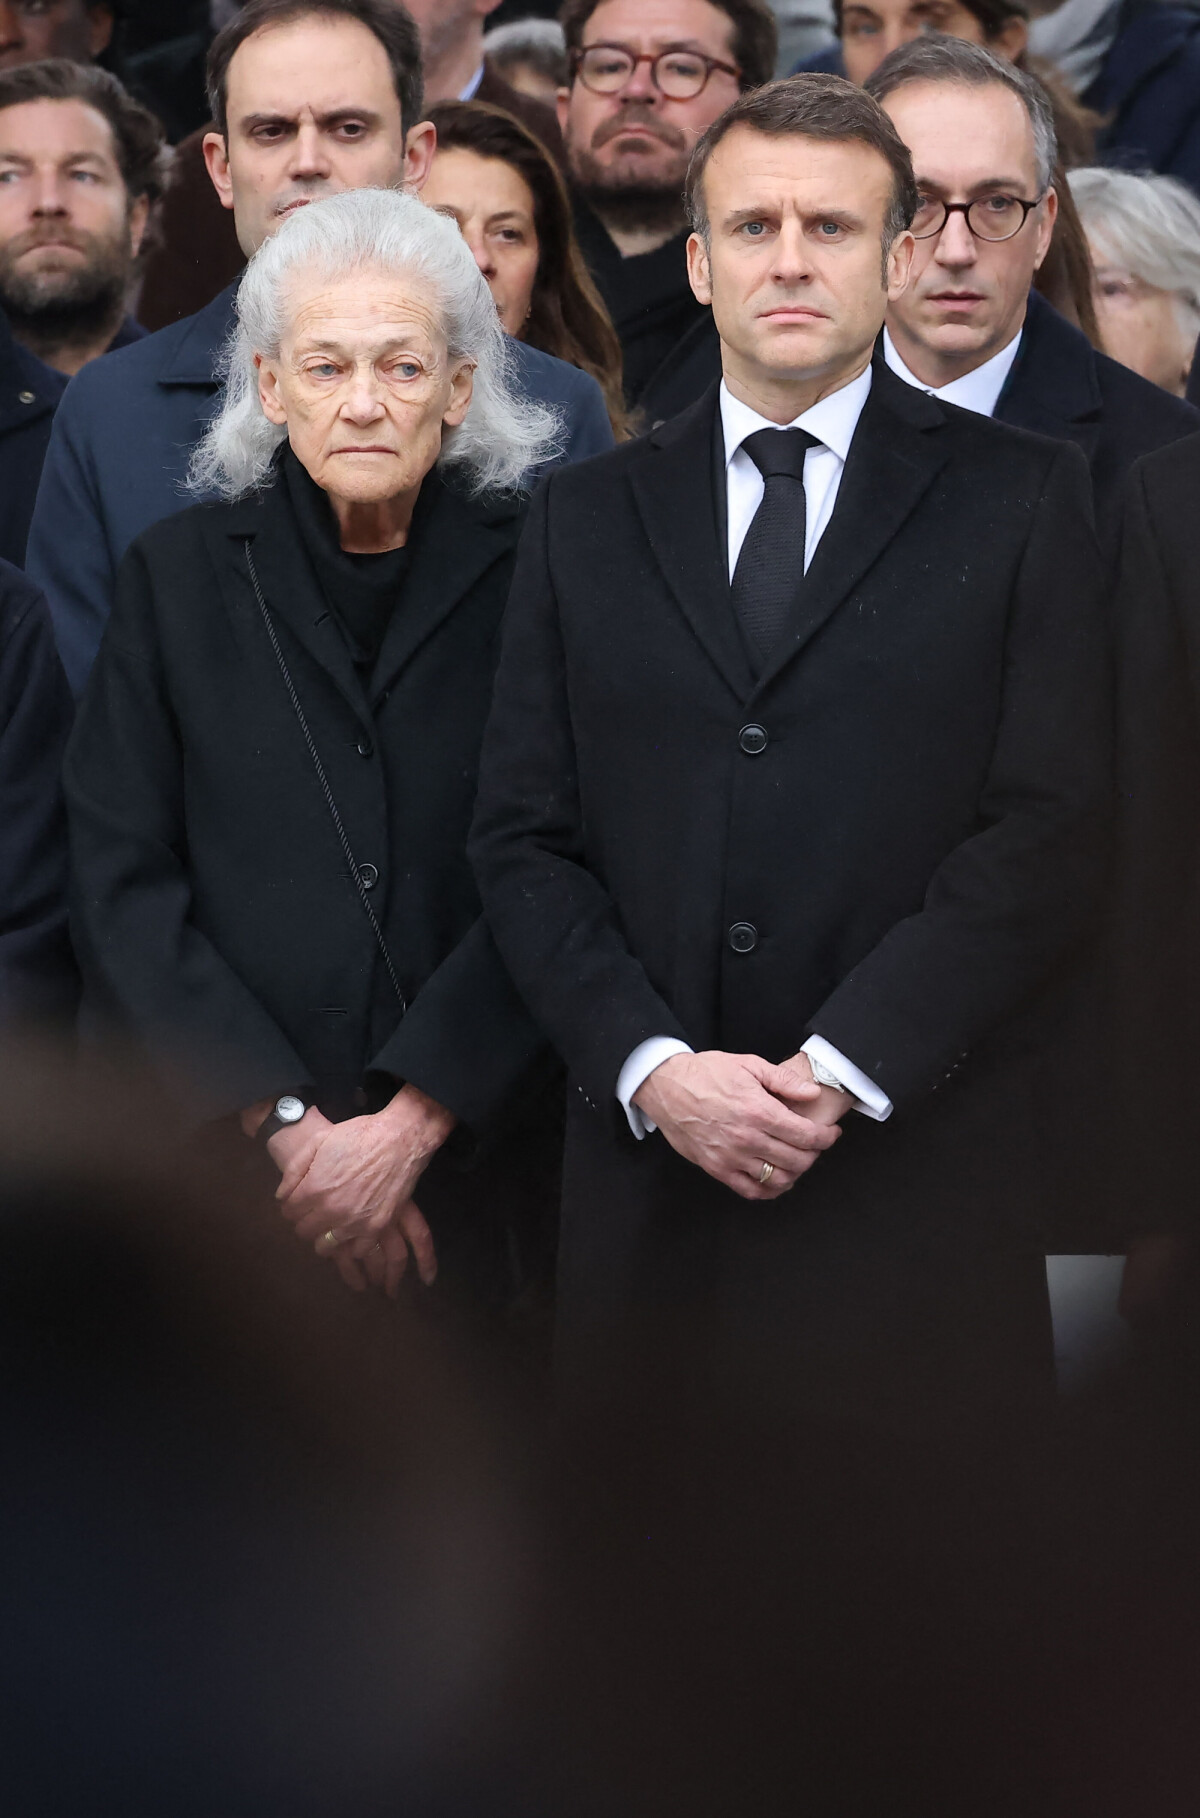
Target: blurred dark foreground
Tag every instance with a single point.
(268, 1549)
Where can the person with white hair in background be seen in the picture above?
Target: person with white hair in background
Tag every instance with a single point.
(1144, 237)
(273, 770)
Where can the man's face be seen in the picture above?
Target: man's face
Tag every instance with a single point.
(871, 29)
(795, 271)
(364, 383)
(312, 111)
(966, 298)
(68, 235)
(33, 29)
(637, 141)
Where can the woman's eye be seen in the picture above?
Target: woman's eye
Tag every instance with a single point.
(324, 369)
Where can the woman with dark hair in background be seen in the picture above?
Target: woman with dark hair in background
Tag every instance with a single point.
(500, 185)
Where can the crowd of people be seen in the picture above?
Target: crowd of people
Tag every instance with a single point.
(597, 660)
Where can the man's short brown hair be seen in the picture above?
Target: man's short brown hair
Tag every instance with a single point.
(387, 20)
(142, 154)
(812, 106)
(755, 34)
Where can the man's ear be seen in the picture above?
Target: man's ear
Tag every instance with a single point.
(420, 143)
(899, 264)
(1011, 39)
(139, 215)
(216, 162)
(562, 107)
(1046, 227)
(268, 393)
(699, 267)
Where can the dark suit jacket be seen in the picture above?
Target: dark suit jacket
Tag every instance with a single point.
(29, 395)
(1155, 958)
(1060, 386)
(213, 914)
(37, 974)
(912, 852)
(119, 459)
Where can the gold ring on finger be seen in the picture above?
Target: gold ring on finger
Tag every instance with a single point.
(328, 1243)
(768, 1169)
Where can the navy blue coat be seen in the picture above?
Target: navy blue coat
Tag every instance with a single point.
(119, 454)
(37, 975)
(29, 394)
(1150, 85)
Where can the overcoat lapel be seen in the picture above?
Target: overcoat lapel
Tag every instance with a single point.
(1053, 387)
(460, 539)
(673, 488)
(892, 463)
(290, 587)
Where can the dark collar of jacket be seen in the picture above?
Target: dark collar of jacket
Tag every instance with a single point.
(461, 539)
(1053, 386)
(130, 331)
(196, 344)
(28, 389)
(893, 460)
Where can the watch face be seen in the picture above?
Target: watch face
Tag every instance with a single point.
(290, 1110)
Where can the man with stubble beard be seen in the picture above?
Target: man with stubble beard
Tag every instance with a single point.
(647, 78)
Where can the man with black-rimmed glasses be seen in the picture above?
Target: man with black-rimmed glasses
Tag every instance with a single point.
(647, 78)
(970, 328)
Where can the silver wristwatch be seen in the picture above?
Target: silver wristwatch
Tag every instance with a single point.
(285, 1112)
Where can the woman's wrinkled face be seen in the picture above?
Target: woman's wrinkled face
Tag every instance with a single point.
(493, 206)
(364, 383)
(1141, 325)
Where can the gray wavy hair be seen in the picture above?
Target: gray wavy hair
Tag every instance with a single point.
(1150, 226)
(504, 434)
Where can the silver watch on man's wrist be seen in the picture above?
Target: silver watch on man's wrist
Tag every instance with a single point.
(824, 1077)
(285, 1112)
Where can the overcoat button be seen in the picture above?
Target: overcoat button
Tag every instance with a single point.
(369, 875)
(27, 397)
(743, 937)
(365, 748)
(752, 740)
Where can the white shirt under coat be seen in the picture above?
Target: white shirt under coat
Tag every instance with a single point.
(978, 391)
(833, 422)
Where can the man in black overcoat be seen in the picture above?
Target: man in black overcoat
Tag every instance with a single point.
(794, 794)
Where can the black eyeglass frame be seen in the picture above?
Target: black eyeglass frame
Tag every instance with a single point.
(964, 209)
(710, 64)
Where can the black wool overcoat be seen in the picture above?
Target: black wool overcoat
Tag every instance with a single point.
(213, 911)
(892, 838)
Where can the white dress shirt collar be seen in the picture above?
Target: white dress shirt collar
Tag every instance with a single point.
(472, 89)
(978, 391)
(833, 421)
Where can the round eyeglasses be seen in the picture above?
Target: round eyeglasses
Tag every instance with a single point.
(988, 217)
(677, 74)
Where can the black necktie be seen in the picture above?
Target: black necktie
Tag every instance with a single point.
(770, 568)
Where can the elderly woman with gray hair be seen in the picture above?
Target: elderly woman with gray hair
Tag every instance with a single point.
(1144, 236)
(272, 774)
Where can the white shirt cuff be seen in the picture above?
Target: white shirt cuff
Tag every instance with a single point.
(867, 1096)
(637, 1069)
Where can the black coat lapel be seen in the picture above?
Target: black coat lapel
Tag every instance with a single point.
(459, 540)
(673, 487)
(892, 462)
(292, 592)
(1053, 387)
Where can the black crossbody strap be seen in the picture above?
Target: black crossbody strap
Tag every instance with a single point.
(319, 767)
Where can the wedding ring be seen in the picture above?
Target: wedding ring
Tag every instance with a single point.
(767, 1171)
(328, 1243)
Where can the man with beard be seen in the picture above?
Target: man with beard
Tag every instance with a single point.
(647, 78)
(81, 166)
(31, 30)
